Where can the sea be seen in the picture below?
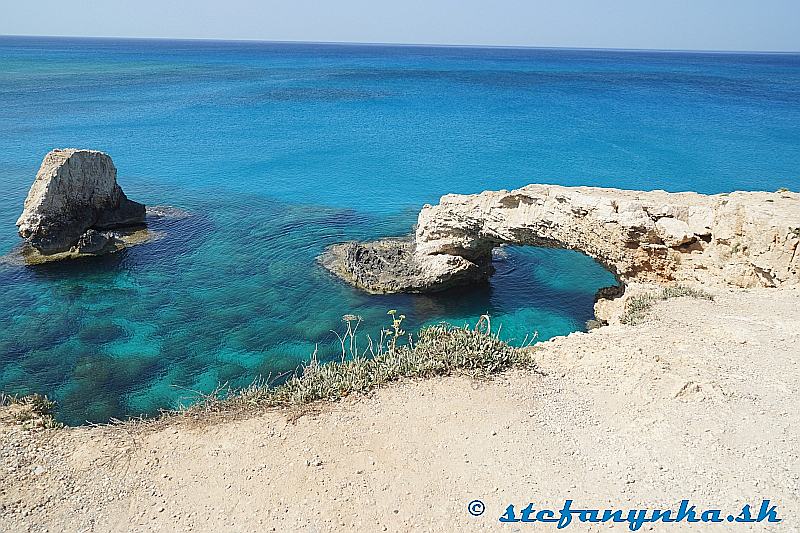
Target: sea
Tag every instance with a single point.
(277, 150)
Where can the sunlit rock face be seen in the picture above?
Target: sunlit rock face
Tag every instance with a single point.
(743, 239)
(74, 202)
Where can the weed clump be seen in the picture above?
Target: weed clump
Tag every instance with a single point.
(34, 410)
(395, 354)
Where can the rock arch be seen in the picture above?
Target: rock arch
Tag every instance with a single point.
(743, 239)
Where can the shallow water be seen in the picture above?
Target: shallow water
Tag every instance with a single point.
(278, 150)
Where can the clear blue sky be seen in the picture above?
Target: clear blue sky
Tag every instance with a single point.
(664, 24)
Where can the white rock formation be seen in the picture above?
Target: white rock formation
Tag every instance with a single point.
(743, 239)
(75, 191)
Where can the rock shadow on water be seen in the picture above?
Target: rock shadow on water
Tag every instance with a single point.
(169, 232)
(59, 270)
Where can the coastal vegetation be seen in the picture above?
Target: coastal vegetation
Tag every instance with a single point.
(437, 350)
(33, 410)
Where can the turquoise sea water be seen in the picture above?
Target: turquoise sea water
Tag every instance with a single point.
(278, 150)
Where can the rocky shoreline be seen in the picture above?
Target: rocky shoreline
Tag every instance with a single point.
(657, 409)
(741, 239)
(389, 266)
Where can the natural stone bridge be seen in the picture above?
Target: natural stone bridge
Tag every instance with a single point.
(742, 239)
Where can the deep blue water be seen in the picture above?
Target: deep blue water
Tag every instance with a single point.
(278, 150)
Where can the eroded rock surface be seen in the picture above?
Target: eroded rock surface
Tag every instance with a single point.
(742, 239)
(390, 266)
(74, 202)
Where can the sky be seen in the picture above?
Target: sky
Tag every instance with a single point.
(752, 25)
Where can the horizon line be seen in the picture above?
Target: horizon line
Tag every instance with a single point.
(408, 45)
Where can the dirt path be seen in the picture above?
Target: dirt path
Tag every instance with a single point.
(700, 402)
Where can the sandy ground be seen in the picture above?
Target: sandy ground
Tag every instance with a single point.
(700, 402)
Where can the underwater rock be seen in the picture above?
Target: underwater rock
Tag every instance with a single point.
(742, 239)
(167, 212)
(76, 191)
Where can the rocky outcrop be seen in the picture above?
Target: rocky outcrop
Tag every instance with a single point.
(73, 204)
(390, 266)
(742, 239)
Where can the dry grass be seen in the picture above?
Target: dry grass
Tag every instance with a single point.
(436, 351)
(636, 308)
(439, 350)
(33, 410)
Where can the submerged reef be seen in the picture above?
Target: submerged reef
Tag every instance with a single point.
(76, 208)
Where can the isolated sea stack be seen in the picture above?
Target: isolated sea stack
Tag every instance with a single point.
(75, 207)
